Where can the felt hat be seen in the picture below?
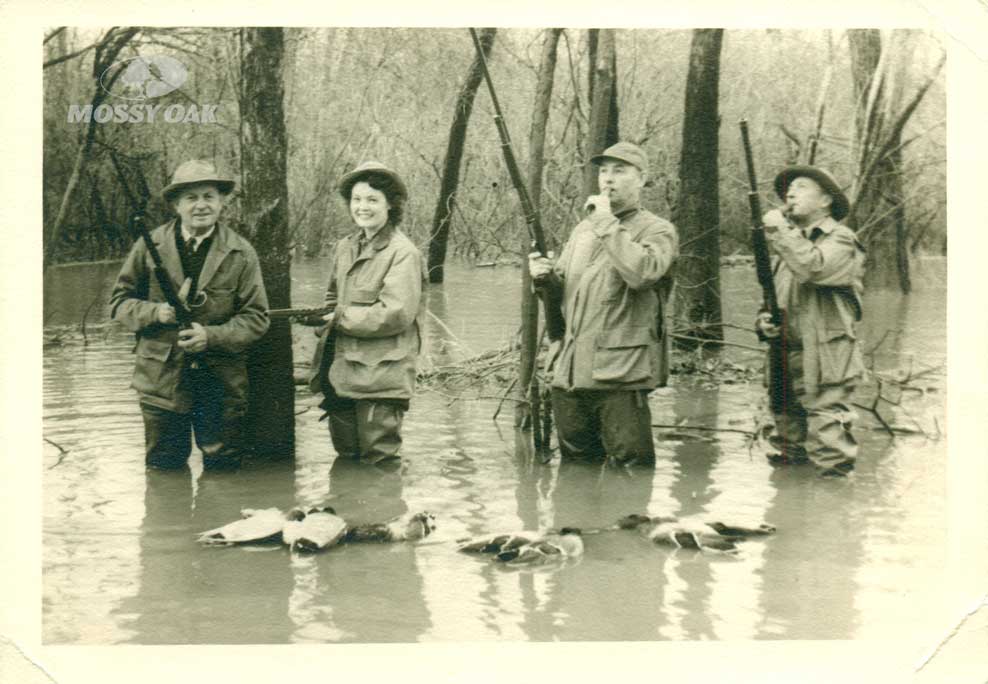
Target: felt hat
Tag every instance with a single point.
(369, 168)
(194, 172)
(840, 206)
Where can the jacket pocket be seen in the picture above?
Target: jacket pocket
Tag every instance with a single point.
(218, 307)
(623, 355)
(840, 358)
(373, 366)
(364, 296)
(156, 370)
(371, 351)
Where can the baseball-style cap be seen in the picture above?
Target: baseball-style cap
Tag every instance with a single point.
(624, 151)
(370, 168)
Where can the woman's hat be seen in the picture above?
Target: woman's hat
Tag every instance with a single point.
(369, 168)
(194, 172)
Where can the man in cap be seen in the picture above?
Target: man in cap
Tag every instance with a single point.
(818, 282)
(615, 276)
(195, 379)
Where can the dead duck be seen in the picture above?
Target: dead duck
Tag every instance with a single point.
(409, 527)
(527, 547)
(257, 526)
(692, 533)
(317, 530)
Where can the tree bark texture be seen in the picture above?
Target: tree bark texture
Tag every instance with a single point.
(528, 386)
(264, 189)
(454, 156)
(602, 109)
(698, 208)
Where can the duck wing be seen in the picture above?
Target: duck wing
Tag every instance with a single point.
(742, 531)
(260, 526)
(319, 531)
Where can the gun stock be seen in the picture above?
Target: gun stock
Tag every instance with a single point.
(780, 382)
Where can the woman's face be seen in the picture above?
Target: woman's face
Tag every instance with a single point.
(368, 207)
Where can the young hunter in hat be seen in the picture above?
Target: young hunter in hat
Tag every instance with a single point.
(818, 282)
(614, 275)
(376, 282)
(194, 380)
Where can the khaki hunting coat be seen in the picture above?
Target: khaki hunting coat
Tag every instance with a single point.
(234, 315)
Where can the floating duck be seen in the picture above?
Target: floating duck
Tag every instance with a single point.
(316, 530)
(526, 547)
(257, 526)
(692, 533)
(409, 527)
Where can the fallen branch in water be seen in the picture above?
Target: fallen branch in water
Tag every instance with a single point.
(703, 428)
(61, 456)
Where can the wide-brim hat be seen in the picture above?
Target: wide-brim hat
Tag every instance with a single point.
(839, 208)
(195, 172)
(624, 151)
(370, 168)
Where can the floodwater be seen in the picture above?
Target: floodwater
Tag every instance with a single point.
(856, 558)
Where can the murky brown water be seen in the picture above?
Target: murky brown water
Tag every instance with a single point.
(851, 559)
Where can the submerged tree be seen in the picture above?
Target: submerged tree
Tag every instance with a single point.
(603, 129)
(442, 219)
(264, 185)
(697, 212)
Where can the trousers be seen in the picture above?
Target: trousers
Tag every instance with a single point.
(218, 434)
(615, 425)
(366, 429)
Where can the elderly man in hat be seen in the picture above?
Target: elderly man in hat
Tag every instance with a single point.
(818, 282)
(615, 276)
(376, 283)
(193, 380)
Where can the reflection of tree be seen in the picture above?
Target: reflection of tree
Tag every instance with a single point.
(194, 595)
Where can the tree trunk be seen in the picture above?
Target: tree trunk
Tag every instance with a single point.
(697, 210)
(878, 212)
(264, 190)
(528, 385)
(602, 93)
(454, 155)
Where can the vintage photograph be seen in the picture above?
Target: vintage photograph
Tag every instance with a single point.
(400, 335)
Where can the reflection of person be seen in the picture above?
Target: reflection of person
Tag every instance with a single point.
(220, 271)
(614, 273)
(376, 283)
(818, 282)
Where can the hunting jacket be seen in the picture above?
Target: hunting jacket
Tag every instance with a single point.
(378, 293)
(234, 315)
(819, 282)
(615, 274)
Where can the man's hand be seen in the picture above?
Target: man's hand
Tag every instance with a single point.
(600, 204)
(328, 318)
(765, 326)
(166, 313)
(193, 340)
(539, 266)
(773, 220)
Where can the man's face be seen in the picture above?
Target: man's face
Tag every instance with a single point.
(199, 206)
(623, 181)
(806, 199)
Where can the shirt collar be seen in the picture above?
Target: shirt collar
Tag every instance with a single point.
(825, 226)
(196, 240)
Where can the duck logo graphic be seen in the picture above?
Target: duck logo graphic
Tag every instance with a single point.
(144, 77)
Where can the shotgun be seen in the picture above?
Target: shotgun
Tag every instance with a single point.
(780, 382)
(551, 297)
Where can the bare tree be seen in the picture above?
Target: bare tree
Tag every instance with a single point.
(264, 184)
(528, 384)
(698, 209)
(454, 156)
(602, 93)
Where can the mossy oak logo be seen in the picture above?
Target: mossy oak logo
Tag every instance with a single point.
(143, 78)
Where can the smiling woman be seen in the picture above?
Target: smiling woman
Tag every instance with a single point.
(365, 363)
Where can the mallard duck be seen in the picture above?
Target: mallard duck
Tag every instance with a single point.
(496, 543)
(692, 533)
(408, 527)
(316, 530)
(257, 526)
(554, 547)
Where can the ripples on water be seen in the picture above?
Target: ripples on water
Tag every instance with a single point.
(850, 559)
